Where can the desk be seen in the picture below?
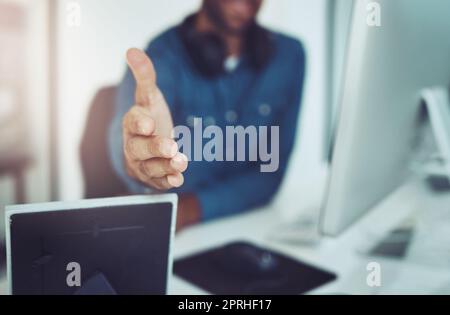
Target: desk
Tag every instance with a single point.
(343, 255)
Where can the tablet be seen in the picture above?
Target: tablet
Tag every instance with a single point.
(101, 246)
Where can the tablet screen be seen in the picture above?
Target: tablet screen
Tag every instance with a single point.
(127, 245)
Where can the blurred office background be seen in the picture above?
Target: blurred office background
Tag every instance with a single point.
(24, 102)
(57, 54)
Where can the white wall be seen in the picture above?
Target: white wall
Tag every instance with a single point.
(37, 174)
(92, 56)
(38, 177)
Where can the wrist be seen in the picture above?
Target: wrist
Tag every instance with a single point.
(189, 211)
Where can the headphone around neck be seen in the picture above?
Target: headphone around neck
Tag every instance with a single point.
(208, 52)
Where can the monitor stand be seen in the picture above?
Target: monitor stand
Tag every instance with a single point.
(436, 102)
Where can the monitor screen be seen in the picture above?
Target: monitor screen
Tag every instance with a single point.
(128, 245)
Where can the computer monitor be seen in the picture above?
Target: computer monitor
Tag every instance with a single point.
(387, 65)
(112, 246)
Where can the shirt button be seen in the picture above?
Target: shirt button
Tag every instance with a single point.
(192, 121)
(210, 121)
(231, 116)
(265, 110)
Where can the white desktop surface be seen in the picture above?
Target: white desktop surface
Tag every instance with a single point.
(343, 255)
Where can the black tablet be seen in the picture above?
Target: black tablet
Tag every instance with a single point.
(103, 246)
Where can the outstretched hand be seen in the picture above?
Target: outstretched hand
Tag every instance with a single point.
(151, 154)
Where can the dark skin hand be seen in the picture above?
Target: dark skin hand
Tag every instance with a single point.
(189, 211)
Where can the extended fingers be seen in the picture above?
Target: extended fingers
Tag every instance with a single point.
(169, 182)
(158, 167)
(145, 148)
(138, 122)
(144, 74)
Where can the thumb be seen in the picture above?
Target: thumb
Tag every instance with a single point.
(144, 74)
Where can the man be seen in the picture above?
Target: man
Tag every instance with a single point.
(221, 66)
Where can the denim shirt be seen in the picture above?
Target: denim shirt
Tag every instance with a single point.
(240, 97)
